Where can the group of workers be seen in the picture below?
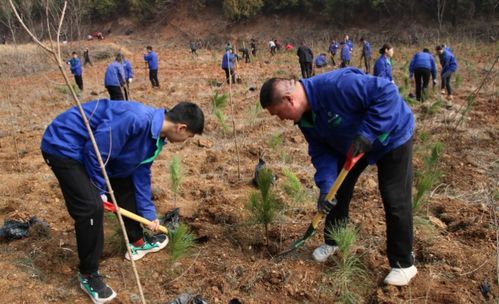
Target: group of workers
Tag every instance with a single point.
(344, 113)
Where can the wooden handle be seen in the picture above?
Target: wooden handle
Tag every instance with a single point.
(110, 207)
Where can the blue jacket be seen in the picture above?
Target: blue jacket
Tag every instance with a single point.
(346, 53)
(383, 68)
(366, 50)
(321, 60)
(346, 103)
(228, 61)
(152, 60)
(449, 63)
(115, 75)
(127, 67)
(333, 48)
(127, 133)
(75, 66)
(423, 60)
(349, 42)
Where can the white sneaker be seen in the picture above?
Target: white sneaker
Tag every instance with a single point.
(401, 276)
(324, 251)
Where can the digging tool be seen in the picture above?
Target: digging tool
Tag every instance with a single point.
(312, 228)
(110, 207)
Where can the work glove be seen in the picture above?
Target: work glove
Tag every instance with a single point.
(325, 206)
(434, 82)
(129, 80)
(360, 144)
(104, 198)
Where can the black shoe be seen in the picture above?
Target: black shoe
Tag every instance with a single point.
(95, 287)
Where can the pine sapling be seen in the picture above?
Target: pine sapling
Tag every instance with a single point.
(219, 102)
(176, 175)
(293, 187)
(428, 177)
(263, 206)
(181, 242)
(348, 274)
(253, 112)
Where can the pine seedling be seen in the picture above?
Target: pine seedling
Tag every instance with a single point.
(253, 112)
(181, 242)
(219, 102)
(293, 187)
(275, 143)
(263, 206)
(428, 177)
(176, 175)
(348, 272)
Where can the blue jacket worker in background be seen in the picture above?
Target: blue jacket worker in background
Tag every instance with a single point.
(333, 49)
(76, 70)
(421, 66)
(305, 58)
(449, 67)
(228, 65)
(321, 60)
(130, 136)
(348, 42)
(114, 79)
(346, 111)
(127, 67)
(346, 54)
(383, 66)
(366, 54)
(152, 62)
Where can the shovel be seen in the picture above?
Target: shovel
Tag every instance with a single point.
(110, 207)
(312, 228)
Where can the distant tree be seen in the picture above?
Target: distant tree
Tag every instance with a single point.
(241, 9)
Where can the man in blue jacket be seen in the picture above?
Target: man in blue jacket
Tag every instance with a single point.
(228, 64)
(321, 61)
(114, 78)
(449, 67)
(421, 66)
(366, 54)
(333, 49)
(152, 62)
(346, 111)
(346, 54)
(130, 136)
(127, 67)
(76, 70)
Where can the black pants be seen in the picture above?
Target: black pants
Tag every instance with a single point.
(85, 207)
(332, 59)
(345, 63)
(87, 61)
(229, 73)
(306, 69)
(153, 77)
(367, 64)
(422, 79)
(115, 92)
(395, 185)
(79, 82)
(446, 82)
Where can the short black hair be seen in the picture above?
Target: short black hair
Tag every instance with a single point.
(149, 47)
(267, 92)
(385, 47)
(74, 53)
(187, 113)
(362, 39)
(439, 48)
(426, 50)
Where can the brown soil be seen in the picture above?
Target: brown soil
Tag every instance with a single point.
(453, 257)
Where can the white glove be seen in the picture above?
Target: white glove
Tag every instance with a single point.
(129, 80)
(104, 198)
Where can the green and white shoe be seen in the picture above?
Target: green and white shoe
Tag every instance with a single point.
(151, 244)
(95, 287)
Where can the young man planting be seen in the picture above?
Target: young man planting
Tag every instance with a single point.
(347, 111)
(130, 136)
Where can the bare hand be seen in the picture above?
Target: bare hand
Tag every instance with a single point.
(154, 225)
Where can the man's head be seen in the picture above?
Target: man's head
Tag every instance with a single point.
(184, 120)
(426, 50)
(149, 48)
(120, 57)
(284, 98)
(362, 39)
(74, 54)
(439, 49)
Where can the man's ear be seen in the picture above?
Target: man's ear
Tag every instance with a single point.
(288, 99)
(180, 127)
